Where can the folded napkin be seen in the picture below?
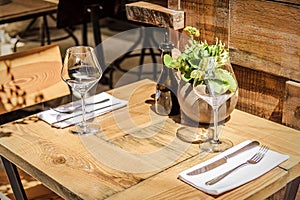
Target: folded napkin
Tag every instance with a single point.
(236, 178)
(62, 120)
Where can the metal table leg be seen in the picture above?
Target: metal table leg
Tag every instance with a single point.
(291, 189)
(45, 31)
(14, 179)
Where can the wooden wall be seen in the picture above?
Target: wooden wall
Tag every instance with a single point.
(264, 36)
(210, 16)
(264, 41)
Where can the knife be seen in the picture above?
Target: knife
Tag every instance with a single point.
(73, 106)
(223, 160)
(73, 116)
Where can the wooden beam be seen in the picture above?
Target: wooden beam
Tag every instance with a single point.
(157, 15)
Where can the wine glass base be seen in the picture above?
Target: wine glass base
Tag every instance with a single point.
(211, 146)
(85, 129)
(193, 135)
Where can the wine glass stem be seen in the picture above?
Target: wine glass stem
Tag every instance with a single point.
(83, 110)
(216, 121)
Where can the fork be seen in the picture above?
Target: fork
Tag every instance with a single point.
(254, 160)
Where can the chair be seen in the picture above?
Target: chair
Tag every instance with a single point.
(45, 37)
(28, 78)
(145, 39)
(82, 12)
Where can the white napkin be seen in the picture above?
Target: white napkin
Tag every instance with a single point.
(236, 178)
(62, 120)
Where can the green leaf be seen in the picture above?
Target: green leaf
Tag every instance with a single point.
(168, 60)
(186, 77)
(217, 86)
(197, 74)
(227, 78)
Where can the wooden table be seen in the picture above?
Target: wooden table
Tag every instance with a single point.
(19, 10)
(138, 156)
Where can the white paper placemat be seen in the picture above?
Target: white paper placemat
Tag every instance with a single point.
(236, 178)
(62, 120)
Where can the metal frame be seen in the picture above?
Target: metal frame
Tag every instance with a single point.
(14, 179)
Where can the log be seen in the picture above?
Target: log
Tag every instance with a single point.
(157, 15)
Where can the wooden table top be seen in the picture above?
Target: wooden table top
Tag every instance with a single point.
(137, 155)
(19, 10)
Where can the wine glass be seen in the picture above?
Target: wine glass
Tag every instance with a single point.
(215, 86)
(81, 71)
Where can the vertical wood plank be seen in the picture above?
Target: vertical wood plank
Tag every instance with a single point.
(210, 16)
(291, 105)
(174, 4)
(260, 93)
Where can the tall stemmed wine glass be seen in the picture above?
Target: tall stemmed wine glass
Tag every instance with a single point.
(215, 85)
(81, 71)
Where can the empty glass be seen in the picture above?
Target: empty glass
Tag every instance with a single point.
(81, 71)
(216, 85)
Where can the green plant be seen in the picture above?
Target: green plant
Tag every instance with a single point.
(192, 65)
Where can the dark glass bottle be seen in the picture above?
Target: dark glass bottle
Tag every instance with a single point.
(166, 102)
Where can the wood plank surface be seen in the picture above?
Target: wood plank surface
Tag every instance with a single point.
(264, 46)
(163, 186)
(210, 16)
(292, 2)
(291, 105)
(265, 36)
(137, 154)
(260, 93)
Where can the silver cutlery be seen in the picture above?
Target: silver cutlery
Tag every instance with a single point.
(223, 160)
(254, 160)
(72, 107)
(88, 112)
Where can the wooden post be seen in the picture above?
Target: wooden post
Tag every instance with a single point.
(291, 105)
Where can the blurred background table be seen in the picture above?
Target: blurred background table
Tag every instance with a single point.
(19, 10)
